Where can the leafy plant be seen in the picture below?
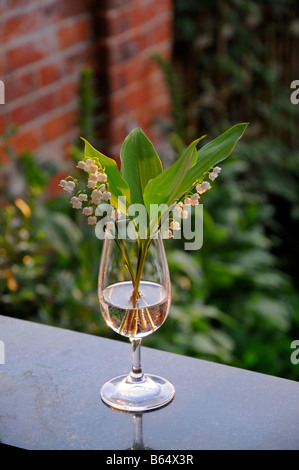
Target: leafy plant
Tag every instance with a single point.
(142, 181)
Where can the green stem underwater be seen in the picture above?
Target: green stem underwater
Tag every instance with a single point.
(140, 265)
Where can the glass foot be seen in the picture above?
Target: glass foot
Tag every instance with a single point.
(147, 393)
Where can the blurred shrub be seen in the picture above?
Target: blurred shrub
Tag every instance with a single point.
(45, 253)
(232, 301)
(236, 299)
(48, 266)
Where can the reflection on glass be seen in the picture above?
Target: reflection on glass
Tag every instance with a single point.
(138, 433)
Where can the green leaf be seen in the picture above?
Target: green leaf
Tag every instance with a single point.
(139, 163)
(163, 188)
(211, 154)
(117, 185)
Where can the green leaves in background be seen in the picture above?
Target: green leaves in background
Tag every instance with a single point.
(139, 163)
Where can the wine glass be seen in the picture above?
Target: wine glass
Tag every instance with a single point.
(134, 294)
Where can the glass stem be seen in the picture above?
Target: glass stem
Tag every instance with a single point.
(136, 374)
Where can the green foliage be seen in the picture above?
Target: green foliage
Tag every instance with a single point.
(236, 299)
(212, 153)
(231, 300)
(163, 189)
(142, 179)
(44, 253)
(118, 186)
(139, 163)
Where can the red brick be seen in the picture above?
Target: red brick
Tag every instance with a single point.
(108, 4)
(23, 114)
(19, 85)
(122, 50)
(79, 58)
(46, 103)
(164, 7)
(25, 140)
(67, 92)
(11, 4)
(135, 14)
(17, 26)
(131, 71)
(33, 109)
(130, 99)
(50, 73)
(62, 9)
(59, 125)
(1, 65)
(2, 124)
(120, 21)
(118, 131)
(116, 79)
(74, 33)
(31, 52)
(160, 32)
(149, 12)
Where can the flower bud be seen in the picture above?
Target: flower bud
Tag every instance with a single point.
(102, 177)
(92, 220)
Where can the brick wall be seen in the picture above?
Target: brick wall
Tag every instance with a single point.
(44, 44)
(130, 32)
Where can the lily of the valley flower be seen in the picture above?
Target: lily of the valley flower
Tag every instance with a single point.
(203, 187)
(106, 196)
(93, 177)
(174, 225)
(102, 177)
(88, 163)
(83, 197)
(91, 184)
(184, 214)
(87, 210)
(214, 173)
(75, 201)
(67, 185)
(194, 199)
(81, 165)
(92, 220)
(167, 234)
(96, 196)
(93, 168)
(63, 183)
